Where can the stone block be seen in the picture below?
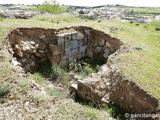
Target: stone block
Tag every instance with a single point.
(90, 52)
(83, 55)
(75, 52)
(101, 43)
(74, 44)
(87, 32)
(106, 53)
(98, 50)
(60, 40)
(85, 41)
(68, 54)
(73, 89)
(80, 36)
(67, 45)
(67, 36)
(80, 43)
(108, 45)
(63, 57)
(70, 59)
(75, 35)
(83, 49)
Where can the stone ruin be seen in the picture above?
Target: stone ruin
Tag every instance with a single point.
(31, 46)
(108, 86)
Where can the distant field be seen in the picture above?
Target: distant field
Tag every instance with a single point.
(140, 11)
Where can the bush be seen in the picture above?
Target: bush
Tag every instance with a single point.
(4, 90)
(156, 25)
(56, 71)
(88, 69)
(83, 68)
(51, 7)
(1, 18)
(157, 28)
(75, 67)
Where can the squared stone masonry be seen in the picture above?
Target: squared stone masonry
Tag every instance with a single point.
(85, 41)
(60, 40)
(80, 42)
(75, 35)
(83, 49)
(67, 44)
(75, 52)
(74, 44)
(73, 47)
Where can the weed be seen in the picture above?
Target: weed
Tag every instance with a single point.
(138, 49)
(38, 77)
(115, 111)
(92, 114)
(75, 67)
(56, 71)
(25, 86)
(56, 92)
(39, 98)
(88, 69)
(83, 68)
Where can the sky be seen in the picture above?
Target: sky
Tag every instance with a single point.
(143, 3)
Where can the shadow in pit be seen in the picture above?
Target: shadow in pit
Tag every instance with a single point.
(83, 67)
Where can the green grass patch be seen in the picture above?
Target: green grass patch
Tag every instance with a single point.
(84, 68)
(58, 93)
(25, 85)
(1, 19)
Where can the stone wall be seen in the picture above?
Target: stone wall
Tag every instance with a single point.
(108, 86)
(131, 96)
(31, 46)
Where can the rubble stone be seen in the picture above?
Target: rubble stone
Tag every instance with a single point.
(115, 90)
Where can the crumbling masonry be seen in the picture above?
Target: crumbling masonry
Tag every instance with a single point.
(31, 46)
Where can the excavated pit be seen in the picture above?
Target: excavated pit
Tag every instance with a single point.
(32, 46)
